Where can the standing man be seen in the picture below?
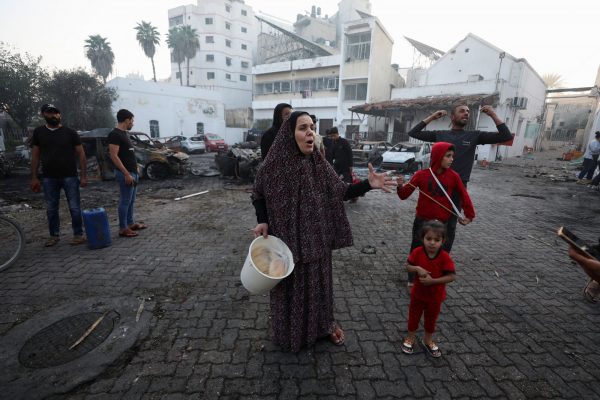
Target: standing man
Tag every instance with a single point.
(590, 161)
(126, 172)
(465, 143)
(340, 155)
(59, 148)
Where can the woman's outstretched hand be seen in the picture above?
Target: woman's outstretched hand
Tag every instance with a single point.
(380, 180)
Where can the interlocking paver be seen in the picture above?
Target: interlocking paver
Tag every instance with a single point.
(514, 325)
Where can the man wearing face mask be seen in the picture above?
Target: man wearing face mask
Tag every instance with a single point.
(59, 148)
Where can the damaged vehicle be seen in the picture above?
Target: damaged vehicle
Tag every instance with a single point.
(241, 161)
(407, 157)
(156, 161)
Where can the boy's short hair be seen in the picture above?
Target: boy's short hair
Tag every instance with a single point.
(123, 114)
(433, 225)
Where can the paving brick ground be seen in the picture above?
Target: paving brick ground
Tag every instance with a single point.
(514, 326)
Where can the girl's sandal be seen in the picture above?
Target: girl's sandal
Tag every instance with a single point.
(408, 345)
(432, 349)
(592, 291)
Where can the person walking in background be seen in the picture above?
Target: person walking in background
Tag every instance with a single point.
(590, 161)
(281, 113)
(59, 149)
(126, 172)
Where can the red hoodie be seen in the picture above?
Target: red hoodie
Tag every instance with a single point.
(449, 179)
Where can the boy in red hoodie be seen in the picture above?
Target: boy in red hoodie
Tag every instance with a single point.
(439, 182)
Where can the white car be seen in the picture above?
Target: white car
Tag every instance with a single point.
(407, 157)
(189, 145)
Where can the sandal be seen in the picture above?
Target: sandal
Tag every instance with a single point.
(591, 291)
(407, 344)
(432, 349)
(127, 233)
(138, 226)
(337, 336)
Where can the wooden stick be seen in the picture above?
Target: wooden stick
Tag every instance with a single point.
(139, 311)
(435, 201)
(191, 195)
(89, 330)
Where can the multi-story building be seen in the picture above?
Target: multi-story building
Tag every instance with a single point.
(474, 72)
(317, 70)
(227, 35)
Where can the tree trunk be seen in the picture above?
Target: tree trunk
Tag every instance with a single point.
(180, 77)
(187, 83)
(153, 69)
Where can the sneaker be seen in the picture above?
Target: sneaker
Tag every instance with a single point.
(77, 239)
(583, 181)
(52, 241)
(408, 344)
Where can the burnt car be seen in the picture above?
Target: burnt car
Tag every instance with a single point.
(369, 152)
(156, 161)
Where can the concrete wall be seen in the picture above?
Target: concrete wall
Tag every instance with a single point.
(177, 109)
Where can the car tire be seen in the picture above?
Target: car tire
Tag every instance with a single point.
(157, 171)
(185, 150)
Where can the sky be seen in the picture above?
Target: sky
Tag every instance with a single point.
(561, 37)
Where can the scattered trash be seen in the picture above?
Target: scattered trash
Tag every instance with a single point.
(497, 275)
(537, 280)
(533, 196)
(140, 310)
(368, 250)
(190, 195)
(89, 330)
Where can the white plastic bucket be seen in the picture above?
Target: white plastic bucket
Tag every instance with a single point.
(252, 278)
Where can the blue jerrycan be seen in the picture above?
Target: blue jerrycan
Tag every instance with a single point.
(96, 228)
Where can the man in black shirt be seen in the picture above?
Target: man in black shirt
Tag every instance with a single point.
(465, 142)
(59, 148)
(126, 172)
(339, 154)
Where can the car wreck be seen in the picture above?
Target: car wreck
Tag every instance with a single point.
(155, 160)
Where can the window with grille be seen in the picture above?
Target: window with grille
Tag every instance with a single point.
(243, 78)
(178, 20)
(358, 46)
(154, 130)
(208, 21)
(210, 57)
(210, 75)
(245, 64)
(355, 92)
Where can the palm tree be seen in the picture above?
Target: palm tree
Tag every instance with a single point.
(553, 80)
(191, 46)
(148, 37)
(176, 43)
(100, 55)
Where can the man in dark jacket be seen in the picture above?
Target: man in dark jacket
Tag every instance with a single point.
(465, 142)
(339, 154)
(281, 113)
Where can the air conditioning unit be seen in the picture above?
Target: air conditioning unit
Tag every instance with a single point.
(519, 102)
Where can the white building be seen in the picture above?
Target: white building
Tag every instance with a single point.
(227, 34)
(473, 72)
(326, 80)
(163, 109)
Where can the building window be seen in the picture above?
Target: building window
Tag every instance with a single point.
(178, 20)
(244, 29)
(199, 128)
(228, 61)
(177, 75)
(154, 131)
(244, 13)
(227, 8)
(208, 21)
(243, 78)
(228, 77)
(227, 25)
(210, 39)
(244, 47)
(210, 57)
(301, 85)
(210, 75)
(227, 42)
(245, 64)
(358, 46)
(355, 92)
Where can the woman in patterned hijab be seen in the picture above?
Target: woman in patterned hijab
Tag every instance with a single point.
(299, 198)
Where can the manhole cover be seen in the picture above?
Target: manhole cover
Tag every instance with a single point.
(50, 346)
